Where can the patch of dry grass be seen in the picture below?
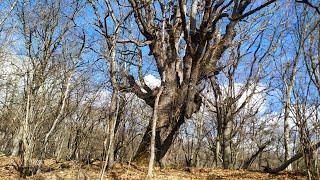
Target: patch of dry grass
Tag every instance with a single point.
(74, 170)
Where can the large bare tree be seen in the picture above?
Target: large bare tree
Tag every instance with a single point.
(196, 34)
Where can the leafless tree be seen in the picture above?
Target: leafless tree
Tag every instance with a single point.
(109, 24)
(44, 29)
(187, 83)
(194, 47)
(304, 107)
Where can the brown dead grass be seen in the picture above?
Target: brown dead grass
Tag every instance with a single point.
(74, 170)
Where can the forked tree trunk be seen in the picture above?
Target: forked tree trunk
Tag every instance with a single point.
(172, 110)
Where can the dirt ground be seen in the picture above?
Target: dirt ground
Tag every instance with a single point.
(73, 170)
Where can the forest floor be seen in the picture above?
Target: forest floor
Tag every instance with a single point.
(75, 170)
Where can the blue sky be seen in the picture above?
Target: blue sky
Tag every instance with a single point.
(275, 60)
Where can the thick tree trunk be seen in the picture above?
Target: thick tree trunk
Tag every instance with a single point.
(162, 141)
(226, 145)
(170, 118)
(173, 107)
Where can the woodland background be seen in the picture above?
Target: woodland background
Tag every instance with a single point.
(230, 84)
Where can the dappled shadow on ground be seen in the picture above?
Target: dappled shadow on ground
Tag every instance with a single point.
(76, 170)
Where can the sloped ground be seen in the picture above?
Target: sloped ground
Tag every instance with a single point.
(74, 170)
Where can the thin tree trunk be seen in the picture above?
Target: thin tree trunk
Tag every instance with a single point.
(286, 126)
(217, 152)
(55, 122)
(27, 144)
(59, 116)
(113, 118)
(114, 108)
(287, 147)
(153, 135)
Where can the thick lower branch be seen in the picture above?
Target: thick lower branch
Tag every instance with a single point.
(249, 161)
(148, 96)
(291, 160)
